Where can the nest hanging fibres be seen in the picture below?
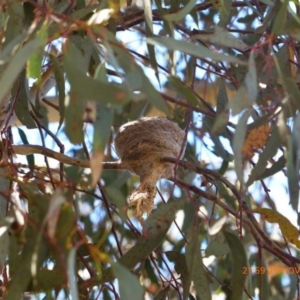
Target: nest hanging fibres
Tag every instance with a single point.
(140, 146)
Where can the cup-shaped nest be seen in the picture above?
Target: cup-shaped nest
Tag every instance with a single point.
(140, 146)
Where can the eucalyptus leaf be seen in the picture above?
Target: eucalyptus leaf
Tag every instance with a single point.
(220, 36)
(16, 64)
(251, 82)
(72, 274)
(192, 49)
(60, 83)
(20, 94)
(195, 264)
(237, 144)
(178, 16)
(129, 285)
(239, 261)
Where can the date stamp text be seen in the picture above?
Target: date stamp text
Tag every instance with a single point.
(271, 270)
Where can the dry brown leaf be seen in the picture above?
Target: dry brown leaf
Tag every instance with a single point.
(96, 166)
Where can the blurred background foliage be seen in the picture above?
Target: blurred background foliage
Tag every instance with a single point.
(227, 72)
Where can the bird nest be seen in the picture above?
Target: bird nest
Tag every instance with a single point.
(140, 146)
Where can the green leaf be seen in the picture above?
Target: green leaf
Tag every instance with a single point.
(185, 91)
(239, 261)
(60, 84)
(154, 231)
(135, 78)
(20, 92)
(182, 13)
(151, 272)
(100, 72)
(81, 13)
(181, 269)
(34, 64)
(102, 127)
(293, 286)
(72, 278)
(192, 49)
(74, 122)
(148, 14)
(49, 279)
(292, 172)
(15, 66)
(270, 150)
(276, 167)
(195, 263)
(14, 26)
(30, 157)
(237, 144)
(4, 242)
(240, 101)
(101, 92)
(225, 12)
(280, 18)
(222, 117)
(251, 79)
(217, 247)
(4, 186)
(222, 37)
(129, 285)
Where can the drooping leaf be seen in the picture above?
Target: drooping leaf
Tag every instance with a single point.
(106, 93)
(135, 78)
(183, 90)
(195, 263)
(181, 14)
(102, 129)
(129, 285)
(34, 64)
(240, 101)
(275, 168)
(22, 108)
(4, 188)
(52, 215)
(74, 122)
(16, 64)
(14, 26)
(192, 49)
(148, 14)
(60, 83)
(289, 231)
(72, 274)
(181, 269)
(154, 231)
(292, 173)
(225, 9)
(220, 36)
(251, 82)
(222, 118)
(237, 144)
(4, 241)
(30, 157)
(217, 247)
(280, 18)
(239, 261)
(84, 11)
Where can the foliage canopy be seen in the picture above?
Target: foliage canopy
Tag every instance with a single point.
(227, 72)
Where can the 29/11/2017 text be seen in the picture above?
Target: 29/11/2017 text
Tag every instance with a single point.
(271, 270)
